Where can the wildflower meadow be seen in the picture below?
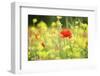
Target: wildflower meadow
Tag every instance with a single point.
(57, 37)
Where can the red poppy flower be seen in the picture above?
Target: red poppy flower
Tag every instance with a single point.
(66, 33)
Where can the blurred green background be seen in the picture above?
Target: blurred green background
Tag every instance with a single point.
(66, 20)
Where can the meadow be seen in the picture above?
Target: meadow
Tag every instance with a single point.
(56, 39)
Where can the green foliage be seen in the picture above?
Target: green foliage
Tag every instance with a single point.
(46, 42)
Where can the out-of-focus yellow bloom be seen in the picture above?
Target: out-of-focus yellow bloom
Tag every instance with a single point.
(58, 23)
(51, 53)
(49, 42)
(76, 27)
(72, 40)
(81, 31)
(69, 53)
(59, 17)
(84, 25)
(47, 35)
(52, 56)
(33, 28)
(76, 54)
(29, 53)
(76, 22)
(66, 47)
(82, 42)
(34, 20)
(40, 47)
(42, 25)
(53, 24)
(58, 57)
(54, 31)
(42, 54)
